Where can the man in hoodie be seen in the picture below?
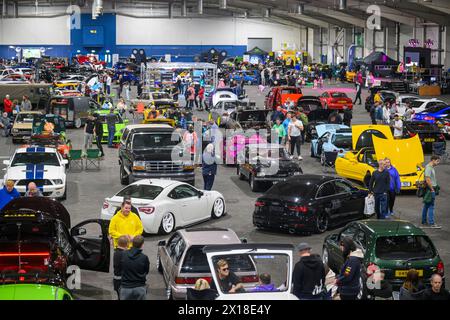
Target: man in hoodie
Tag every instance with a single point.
(125, 223)
(265, 284)
(135, 267)
(121, 250)
(395, 185)
(309, 275)
(349, 277)
(8, 193)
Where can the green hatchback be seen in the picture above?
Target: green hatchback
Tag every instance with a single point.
(392, 246)
(121, 123)
(30, 291)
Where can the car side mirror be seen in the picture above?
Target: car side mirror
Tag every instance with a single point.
(6, 162)
(65, 162)
(200, 194)
(78, 232)
(162, 243)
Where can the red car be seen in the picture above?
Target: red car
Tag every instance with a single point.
(335, 100)
(278, 95)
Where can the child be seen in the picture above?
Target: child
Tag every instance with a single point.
(121, 249)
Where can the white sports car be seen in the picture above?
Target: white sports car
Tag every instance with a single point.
(43, 166)
(223, 96)
(165, 205)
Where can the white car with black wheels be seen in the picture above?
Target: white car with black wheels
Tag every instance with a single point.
(43, 166)
(165, 205)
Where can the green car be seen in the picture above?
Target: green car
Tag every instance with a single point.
(120, 125)
(394, 246)
(30, 291)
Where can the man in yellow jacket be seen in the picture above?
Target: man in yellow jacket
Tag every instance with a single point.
(125, 223)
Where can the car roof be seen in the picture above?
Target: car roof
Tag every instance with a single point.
(149, 126)
(164, 183)
(207, 236)
(391, 227)
(36, 149)
(312, 178)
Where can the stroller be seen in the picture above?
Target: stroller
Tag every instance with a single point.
(439, 149)
(327, 159)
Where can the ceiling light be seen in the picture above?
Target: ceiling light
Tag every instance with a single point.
(300, 8)
(200, 6)
(223, 4)
(184, 8)
(342, 4)
(267, 13)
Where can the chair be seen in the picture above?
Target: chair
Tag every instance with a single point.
(328, 160)
(92, 159)
(76, 159)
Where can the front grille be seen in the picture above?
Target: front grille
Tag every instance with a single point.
(163, 166)
(24, 130)
(39, 182)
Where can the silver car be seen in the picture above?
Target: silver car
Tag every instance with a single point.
(182, 262)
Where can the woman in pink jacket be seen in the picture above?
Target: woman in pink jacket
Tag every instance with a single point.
(190, 93)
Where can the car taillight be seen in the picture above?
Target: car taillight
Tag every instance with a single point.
(190, 280)
(105, 205)
(440, 268)
(429, 118)
(412, 134)
(302, 209)
(260, 204)
(147, 210)
(249, 279)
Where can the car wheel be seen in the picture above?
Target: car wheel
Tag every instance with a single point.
(167, 224)
(321, 222)
(124, 178)
(77, 123)
(169, 295)
(325, 256)
(218, 208)
(322, 159)
(158, 264)
(254, 186)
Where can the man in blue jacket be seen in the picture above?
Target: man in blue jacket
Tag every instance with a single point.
(8, 193)
(209, 167)
(395, 185)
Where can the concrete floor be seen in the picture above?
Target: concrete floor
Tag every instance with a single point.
(86, 191)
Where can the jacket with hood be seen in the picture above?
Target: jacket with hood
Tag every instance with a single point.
(135, 267)
(309, 277)
(348, 279)
(124, 225)
(6, 196)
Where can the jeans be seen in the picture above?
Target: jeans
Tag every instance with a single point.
(138, 293)
(381, 205)
(208, 180)
(428, 210)
(295, 144)
(99, 144)
(87, 141)
(358, 97)
(7, 131)
(392, 195)
(190, 104)
(111, 133)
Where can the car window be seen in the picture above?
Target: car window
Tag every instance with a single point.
(183, 191)
(361, 239)
(342, 186)
(326, 190)
(338, 95)
(365, 139)
(404, 247)
(178, 251)
(349, 232)
(125, 135)
(35, 158)
(171, 244)
(147, 192)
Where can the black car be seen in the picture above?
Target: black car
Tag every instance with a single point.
(146, 152)
(242, 119)
(36, 241)
(309, 203)
(267, 164)
(429, 133)
(312, 107)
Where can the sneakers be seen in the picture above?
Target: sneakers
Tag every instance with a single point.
(300, 158)
(435, 226)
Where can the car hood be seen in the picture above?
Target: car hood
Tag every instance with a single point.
(20, 172)
(23, 125)
(359, 129)
(153, 154)
(28, 292)
(332, 128)
(405, 154)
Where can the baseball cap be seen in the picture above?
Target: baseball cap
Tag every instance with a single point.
(303, 246)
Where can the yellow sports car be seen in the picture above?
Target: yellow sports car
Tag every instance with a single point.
(350, 76)
(406, 155)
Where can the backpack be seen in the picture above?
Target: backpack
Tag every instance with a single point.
(303, 119)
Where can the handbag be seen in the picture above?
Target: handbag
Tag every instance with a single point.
(369, 205)
(421, 187)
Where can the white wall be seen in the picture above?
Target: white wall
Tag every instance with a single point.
(217, 31)
(35, 31)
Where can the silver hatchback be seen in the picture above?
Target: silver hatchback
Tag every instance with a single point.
(181, 259)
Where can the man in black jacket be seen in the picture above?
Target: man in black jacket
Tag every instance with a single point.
(98, 131)
(309, 275)
(379, 185)
(117, 261)
(135, 267)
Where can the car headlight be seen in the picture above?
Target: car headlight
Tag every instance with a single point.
(57, 181)
(297, 173)
(15, 130)
(138, 166)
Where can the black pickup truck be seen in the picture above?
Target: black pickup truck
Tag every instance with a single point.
(153, 151)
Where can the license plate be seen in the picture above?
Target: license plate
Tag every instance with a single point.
(403, 273)
(343, 101)
(406, 184)
(429, 140)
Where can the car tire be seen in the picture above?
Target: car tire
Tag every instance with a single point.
(169, 295)
(218, 209)
(124, 178)
(77, 123)
(167, 224)
(158, 264)
(326, 257)
(321, 223)
(254, 185)
(322, 159)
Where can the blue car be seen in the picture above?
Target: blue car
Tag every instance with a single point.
(433, 114)
(128, 76)
(250, 77)
(331, 138)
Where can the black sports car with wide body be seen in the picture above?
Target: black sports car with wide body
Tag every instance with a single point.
(309, 203)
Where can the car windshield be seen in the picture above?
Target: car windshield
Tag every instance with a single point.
(155, 140)
(289, 91)
(422, 126)
(29, 232)
(338, 95)
(26, 117)
(35, 158)
(365, 139)
(264, 272)
(147, 192)
(259, 116)
(229, 105)
(342, 141)
(290, 188)
(404, 247)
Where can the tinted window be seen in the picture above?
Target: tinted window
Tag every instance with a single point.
(35, 158)
(326, 190)
(125, 135)
(154, 140)
(103, 118)
(435, 104)
(422, 126)
(141, 191)
(342, 141)
(229, 105)
(404, 247)
(291, 189)
(342, 186)
(183, 192)
(195, 261)
(338, 95)
(361, 239)
(289, 91)
(252, 116)
(365, 139)
(349, 232)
